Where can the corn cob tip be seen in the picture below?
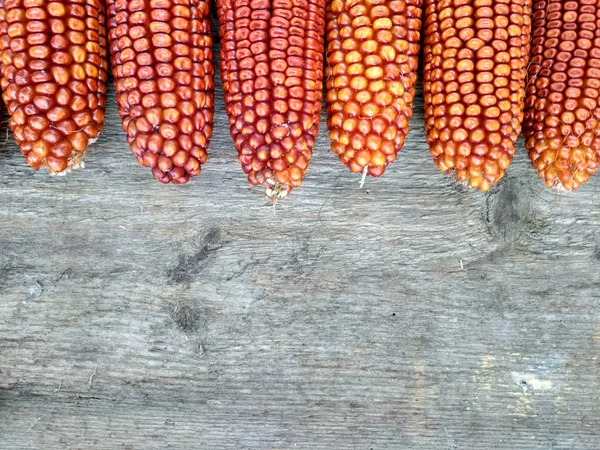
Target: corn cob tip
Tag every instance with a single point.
(76, 161)
(277, 191)
(480, 166)
(562, 166)
(274, 190)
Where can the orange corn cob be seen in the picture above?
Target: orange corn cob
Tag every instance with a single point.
(53, 67)
(372, 59)
(562, 113)
(476, 54)
(272, 70)
(164, 77)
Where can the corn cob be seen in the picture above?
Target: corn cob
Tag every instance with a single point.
(272, 70)
(372, 59)
(164, 77)
(476, 54)
(53, 68)
(561, 115)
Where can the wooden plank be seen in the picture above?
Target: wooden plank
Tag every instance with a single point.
(411, 314)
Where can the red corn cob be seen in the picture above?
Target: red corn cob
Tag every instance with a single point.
(53, 64)
(272, 70)
(562, 113)
(372, 60)
(164, 77)
(475, 68)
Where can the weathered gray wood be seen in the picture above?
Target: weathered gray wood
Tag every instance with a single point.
(411, 314)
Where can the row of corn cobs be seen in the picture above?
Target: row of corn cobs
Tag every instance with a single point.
(490, 67)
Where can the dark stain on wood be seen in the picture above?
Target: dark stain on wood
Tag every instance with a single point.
(189, 267)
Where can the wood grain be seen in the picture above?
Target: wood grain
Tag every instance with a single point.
(411, 314)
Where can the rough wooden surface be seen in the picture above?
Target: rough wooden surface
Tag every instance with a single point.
(411, 314)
